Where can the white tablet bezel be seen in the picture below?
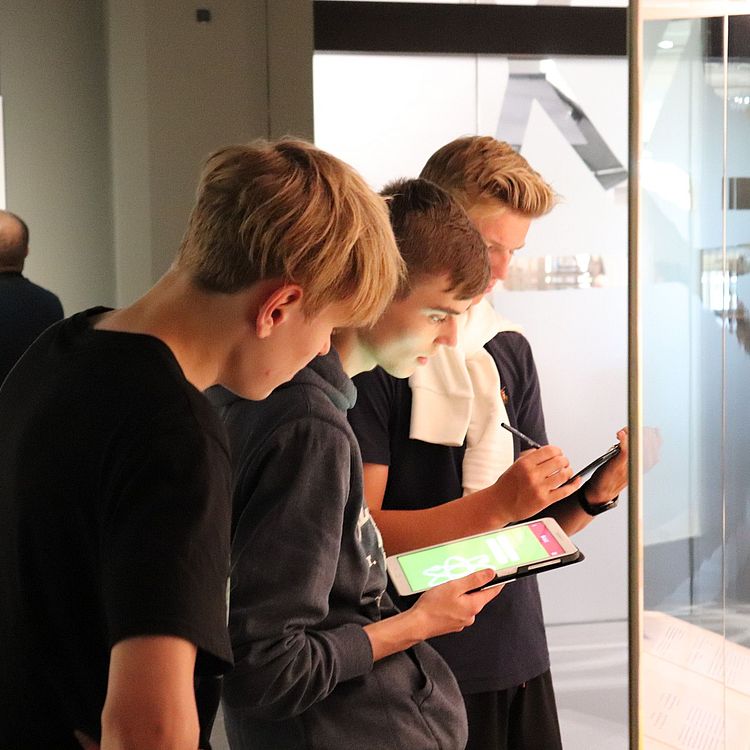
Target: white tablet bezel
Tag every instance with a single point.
(570, 554)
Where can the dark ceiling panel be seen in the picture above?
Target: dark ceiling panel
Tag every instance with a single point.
(469, 29)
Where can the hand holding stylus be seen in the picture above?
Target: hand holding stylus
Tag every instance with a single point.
(535, 481)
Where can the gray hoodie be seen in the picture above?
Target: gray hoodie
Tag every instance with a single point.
(308, 574)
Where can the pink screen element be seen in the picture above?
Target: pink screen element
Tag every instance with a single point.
(543, 534)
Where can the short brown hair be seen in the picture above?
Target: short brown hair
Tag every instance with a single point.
(435, 236)
(286, 209)
(480, 169)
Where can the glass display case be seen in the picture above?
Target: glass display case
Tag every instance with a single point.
(567, 288)
(689, 365)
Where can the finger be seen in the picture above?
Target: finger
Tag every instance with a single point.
(562, 476)
(565, 490)
(474, 580)
(624, 441)
(85, 741)
(550, 468)
(556, 472)
(481, 598)
(554, 463)
(540, 455)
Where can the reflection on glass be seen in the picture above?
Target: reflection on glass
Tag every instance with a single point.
(397, 111)
(548, 272)
(695, 253)
(532, 82)
(737, 362)
(719, 276)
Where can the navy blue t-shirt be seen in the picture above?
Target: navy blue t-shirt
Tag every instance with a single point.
(506, 646)
(25, 311)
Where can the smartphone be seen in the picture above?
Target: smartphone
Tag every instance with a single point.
(595, 464)
(513, 551)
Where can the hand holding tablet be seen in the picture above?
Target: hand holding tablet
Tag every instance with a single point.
(596, 463)
(586, 470)
(512, 552)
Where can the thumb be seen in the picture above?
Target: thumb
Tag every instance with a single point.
(85, 741)
(475, 580)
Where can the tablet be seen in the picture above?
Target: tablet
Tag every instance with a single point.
(513, 551)
(595, 464)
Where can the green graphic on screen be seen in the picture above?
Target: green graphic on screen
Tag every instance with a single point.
(507, 548)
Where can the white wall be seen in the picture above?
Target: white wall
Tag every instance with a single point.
(110, 108)
(398, 110)
(181, 89)
(54, 87)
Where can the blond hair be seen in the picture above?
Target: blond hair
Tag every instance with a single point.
(480, 169)
(285, 209)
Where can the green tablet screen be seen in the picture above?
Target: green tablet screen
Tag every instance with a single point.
(507, 548)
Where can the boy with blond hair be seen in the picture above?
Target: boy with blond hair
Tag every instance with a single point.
(323, 658)
(114, 470)
(436, 460)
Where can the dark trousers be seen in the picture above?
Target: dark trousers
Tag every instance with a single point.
(520, 718)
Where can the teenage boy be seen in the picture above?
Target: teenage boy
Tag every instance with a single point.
(114, 470)
(431, 444)
(322, 657)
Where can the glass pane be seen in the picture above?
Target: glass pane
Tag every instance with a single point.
(568, 117)
(736, 314)
(696, 525)
(682, 224)
(397, 109)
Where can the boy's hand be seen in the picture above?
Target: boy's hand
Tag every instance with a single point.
(535, 481)
(611, 479)
(450, 607)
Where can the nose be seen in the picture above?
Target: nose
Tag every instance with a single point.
(449, 333)
(499, 263)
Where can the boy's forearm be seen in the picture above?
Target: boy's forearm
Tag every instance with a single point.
(395, 634)
(404, 530)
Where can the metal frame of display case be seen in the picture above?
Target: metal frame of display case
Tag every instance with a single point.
(717, 13)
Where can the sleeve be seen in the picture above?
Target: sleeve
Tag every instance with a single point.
(164, 540)
(285, 559)
(371, 416)
(57, 309)
(528, 401)
(530, 415)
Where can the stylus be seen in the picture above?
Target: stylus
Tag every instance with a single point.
(532, 443)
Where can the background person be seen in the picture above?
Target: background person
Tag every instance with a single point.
(26, 309)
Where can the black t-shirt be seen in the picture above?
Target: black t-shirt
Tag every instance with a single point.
(506, 645)
(115, 506)
(26, 309)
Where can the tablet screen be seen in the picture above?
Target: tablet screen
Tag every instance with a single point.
(507, 548)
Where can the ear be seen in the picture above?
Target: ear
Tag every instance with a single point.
(280, 305)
